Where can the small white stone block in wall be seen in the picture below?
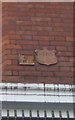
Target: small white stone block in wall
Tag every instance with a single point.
(19, 113)
(49, 113)
(4, 112)
(34, 113)
(41, 113)
(11, 112)
(26, 113)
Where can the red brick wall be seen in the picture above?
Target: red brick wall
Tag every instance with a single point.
(30, 26)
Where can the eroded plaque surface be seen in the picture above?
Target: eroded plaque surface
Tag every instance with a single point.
(26, 59)
(46, 56)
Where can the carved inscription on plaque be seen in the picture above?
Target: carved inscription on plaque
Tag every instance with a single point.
(46, 56)
(26, 60)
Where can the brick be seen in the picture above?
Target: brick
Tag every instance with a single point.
(63, 59)
(9, 46)
(42, 23)
(15, 62)
(15, 72)
(65, 69)
(45, 43)
(65, 64)
(41, 33)
(14, 52)
(16, 37)
(7, 72)
(7, 62)
(63, 54)
(61, 48)
(62, 74)
(41, 38)
(69, 39)
(9, 79)
(35, 26)
(27, 37)
(28, 79)
(28, 47)
(58, 43)
(25, 23)
(39, 6)
(60, 38)
(29, 73)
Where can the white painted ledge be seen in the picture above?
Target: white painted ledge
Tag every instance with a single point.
(55, 93)
(37, 0)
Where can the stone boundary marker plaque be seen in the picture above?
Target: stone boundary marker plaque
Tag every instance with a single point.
(46, 56)
(26, 60)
